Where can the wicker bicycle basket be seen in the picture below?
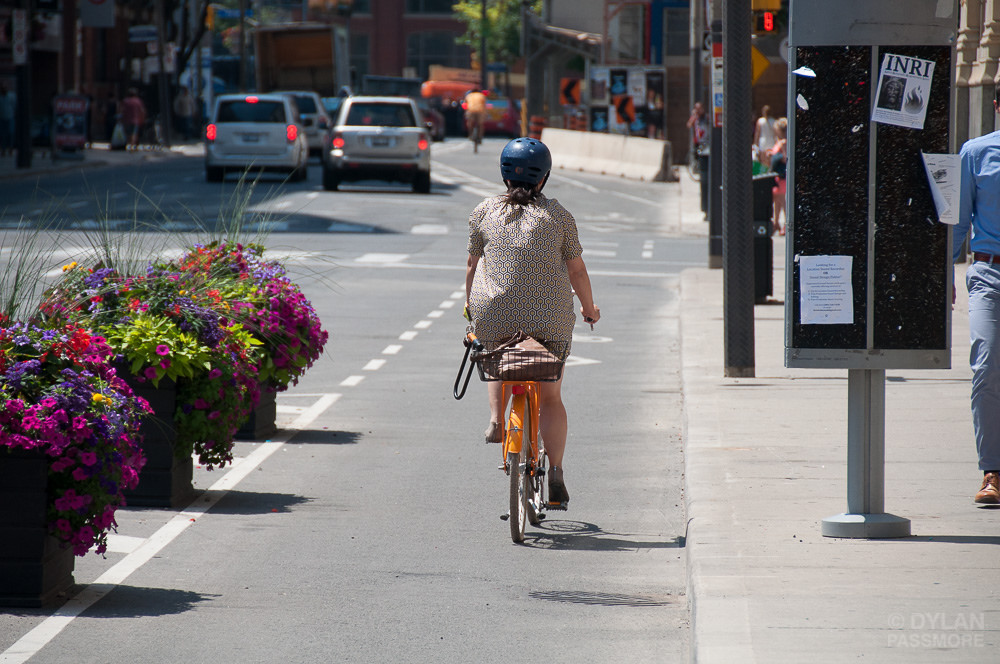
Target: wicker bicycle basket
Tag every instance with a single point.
(521, 362)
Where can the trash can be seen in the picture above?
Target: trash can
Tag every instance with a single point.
(703, 166)
(763, 229)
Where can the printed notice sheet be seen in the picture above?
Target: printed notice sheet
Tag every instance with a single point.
(944, 174)
(826, 296)
(904, 84)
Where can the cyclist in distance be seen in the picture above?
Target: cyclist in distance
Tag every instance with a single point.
(531, 264)
(475, 112)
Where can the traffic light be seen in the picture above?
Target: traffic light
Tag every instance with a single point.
(764, 21)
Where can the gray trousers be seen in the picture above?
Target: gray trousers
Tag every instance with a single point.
(983, 281)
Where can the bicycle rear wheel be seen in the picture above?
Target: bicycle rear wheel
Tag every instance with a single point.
(519, 482)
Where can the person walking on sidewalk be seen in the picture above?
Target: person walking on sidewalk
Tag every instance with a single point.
(133, 117)
(531, 266)
(979, 210)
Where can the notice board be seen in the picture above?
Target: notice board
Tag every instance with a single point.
(868, 265)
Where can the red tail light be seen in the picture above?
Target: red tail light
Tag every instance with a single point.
(210, 132)
(422, 143)
(291, 131)
(338, 142)
(251, 99)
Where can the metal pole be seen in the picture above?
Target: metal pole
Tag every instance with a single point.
(737, 192)
(714, 166)
(243, 45)
(23, 111)
(697, 33)
(865, 516)
(164, 86)
(483, 81)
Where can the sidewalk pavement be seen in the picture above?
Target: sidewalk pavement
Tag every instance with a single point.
(99, 154)
(766, 462)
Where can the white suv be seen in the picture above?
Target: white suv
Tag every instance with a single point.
(314, 117)
(255, 131)
(378, 138)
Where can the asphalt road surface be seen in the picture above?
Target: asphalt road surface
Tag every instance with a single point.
(368, 529)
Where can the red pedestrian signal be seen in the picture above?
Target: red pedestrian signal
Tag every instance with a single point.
(768, 21)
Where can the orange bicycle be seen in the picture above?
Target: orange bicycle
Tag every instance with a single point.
(523, 453)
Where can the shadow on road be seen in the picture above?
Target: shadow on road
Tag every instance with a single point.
(251, 502)
(582, 536)
(324, 437)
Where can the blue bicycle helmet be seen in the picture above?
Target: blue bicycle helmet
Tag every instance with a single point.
(526, 160)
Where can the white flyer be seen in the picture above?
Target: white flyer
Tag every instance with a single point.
(904, 86)
(826, 295)
(944, 174)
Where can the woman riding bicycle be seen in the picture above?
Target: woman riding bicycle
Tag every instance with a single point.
(531, 266)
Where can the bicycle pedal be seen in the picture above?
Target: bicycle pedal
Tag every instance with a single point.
(562, 507)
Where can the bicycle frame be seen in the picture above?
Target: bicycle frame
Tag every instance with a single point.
(523, 395)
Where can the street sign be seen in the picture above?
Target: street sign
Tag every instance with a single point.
(141, 33)
(759, 62)
(569, 92)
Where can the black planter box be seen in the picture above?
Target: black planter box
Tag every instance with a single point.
(165, 480)
(34, 568)
(261, 422)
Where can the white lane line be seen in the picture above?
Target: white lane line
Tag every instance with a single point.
(630, 197)
(576, 183)
(351, 381)
(429, 229)
(392, 349)
(423, 325)
(123, 543)
(447, 304)
(647, 249)
(437, 313)
(457, 295)
(373, 365)
(28, 645)
(409, 335)
(381, 258)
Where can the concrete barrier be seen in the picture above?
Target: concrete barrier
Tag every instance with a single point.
(610, 154)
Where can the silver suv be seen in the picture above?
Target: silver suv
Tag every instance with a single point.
(378, 138)
(314, 117)
(255, 131)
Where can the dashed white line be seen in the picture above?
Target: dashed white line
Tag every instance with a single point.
(423, 325)
(409, 335)
(437, 313)
(392, 349)
(457, 294)
(373, 365)
(352, 381)
(447, 304)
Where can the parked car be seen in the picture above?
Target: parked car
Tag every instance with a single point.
(502, 116)
(255, 131)
(314, 116)
(433, 120)
(378, 138)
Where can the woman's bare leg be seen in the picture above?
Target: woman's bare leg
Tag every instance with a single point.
(552, 420)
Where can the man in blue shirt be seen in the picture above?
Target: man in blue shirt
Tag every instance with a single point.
(979, 210)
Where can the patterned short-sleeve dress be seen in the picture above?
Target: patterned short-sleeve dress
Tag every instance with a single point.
(521, 282)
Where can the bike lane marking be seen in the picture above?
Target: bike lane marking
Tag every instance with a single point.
(28, 645)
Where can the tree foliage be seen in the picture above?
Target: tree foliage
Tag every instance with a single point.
(503, 26)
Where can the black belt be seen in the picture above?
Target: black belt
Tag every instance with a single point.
(985, 258)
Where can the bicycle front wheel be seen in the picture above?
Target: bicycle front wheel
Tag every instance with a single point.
(518, 468)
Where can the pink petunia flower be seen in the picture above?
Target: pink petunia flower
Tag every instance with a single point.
(163, 349)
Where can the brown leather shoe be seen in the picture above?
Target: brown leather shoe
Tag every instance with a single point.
(989, 494)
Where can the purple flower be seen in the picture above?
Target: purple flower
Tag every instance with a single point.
(163, 349)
